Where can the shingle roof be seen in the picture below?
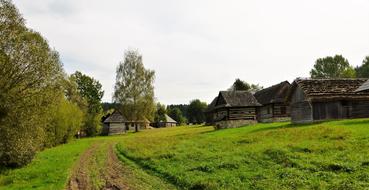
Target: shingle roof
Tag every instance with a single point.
(274, 94)
(237, 99)
(169, 119)
(323, 89)
(115, 117)
(363, 87)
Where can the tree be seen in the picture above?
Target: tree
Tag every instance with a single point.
(31, 73)
(242, 85)
(182, 107)
(177, 115)
(160, 113)
(90, 90)
(332, 67)
(67, 120)
(362, 71)
(134, 88)
(196, 111)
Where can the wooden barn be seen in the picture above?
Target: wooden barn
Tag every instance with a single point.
(169, 122)
(274, 106)
(116, 123)
(232, 106)
(324, 99)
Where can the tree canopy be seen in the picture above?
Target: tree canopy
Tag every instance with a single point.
(332, 67)
(362, 71)
(160, 113)
(243, 85)
(176, 114)
(90, 89)
(134, 87)
(196, 111)
(31, 73)
(40, 106)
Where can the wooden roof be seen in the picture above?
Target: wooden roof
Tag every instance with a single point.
(236, 99)
(115, 117)
(328, 89)
(169, 119)
(274, 94)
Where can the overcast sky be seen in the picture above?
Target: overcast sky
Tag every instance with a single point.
(198, 47)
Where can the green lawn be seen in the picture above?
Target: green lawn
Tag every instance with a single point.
(329, 155)
(49, 170)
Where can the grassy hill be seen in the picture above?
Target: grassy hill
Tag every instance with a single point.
(329, 155)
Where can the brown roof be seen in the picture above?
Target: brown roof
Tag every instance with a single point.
(115, 117)
(326, 89)
(236, 99)
(274, 94)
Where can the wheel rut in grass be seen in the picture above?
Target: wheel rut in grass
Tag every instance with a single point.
(89, 174)
(79, 179)
(114, 172)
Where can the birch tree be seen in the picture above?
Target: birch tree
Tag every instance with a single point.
(134, 88)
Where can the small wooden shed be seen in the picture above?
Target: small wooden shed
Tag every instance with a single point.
(116, 123)
(324, 99)
(169, 122)
(274, 106)
(232, 105)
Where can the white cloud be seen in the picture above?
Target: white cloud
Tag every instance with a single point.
(199, 47)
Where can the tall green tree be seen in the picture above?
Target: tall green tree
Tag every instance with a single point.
(91, 91)
(160, 113)
(177, 115)
(31, 73)
(243, 85)
(134, 88)
(362, 71)
(196, 111)
(332, 67)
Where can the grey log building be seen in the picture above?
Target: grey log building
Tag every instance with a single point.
(274, 106)
(324, 99)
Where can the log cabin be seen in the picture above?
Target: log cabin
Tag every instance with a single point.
(274, 106)
(116, 123)
(314, 100)
(233, 106)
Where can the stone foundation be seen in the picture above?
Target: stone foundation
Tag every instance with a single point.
(233, 124)
(275, 119)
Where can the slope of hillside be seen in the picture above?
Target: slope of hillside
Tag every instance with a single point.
(329, 155)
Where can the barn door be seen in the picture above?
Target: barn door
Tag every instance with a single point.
(319, 111)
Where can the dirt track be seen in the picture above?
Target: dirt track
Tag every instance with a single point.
(110, 174)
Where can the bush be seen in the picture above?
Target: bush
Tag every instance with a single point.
(67, 120)
(93, 124)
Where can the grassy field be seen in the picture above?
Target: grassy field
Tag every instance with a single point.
(329, 155)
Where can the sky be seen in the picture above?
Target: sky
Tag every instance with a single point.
(199, 47)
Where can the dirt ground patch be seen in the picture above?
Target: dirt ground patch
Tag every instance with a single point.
(109, 174)
(114, 172)
(80, 179)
